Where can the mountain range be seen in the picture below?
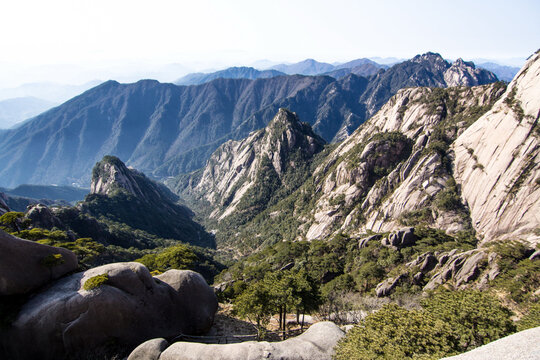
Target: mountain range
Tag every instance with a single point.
(462, 159)
(14, 111)
(230, 73)
(165, 129)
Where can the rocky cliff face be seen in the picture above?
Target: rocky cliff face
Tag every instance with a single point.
(497, 161)
(127, 197)
(404, 148)
(238, 171)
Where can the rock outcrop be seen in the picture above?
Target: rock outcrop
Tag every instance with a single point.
(283, 147)
(149, 350)
(42, 217)
(497, 161)
(26, 265)
(4, 208)
(405, 182)
(463, 73)
(400, 239)
(523, 345)
(317, 343)
(127, 196)
(120, 303)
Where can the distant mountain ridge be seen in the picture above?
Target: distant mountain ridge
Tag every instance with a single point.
(306, 67)
(165, 129)
(229, 73)
(503, 72)
(14, 111)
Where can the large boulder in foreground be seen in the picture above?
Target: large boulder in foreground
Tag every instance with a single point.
(317, 343)
(26, 265)
(117, 303)
(521, 346)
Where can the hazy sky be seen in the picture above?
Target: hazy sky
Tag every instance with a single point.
(75, 41)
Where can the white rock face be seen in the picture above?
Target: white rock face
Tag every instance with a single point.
(523, 345)
(317, 343)
(413, 183)
(234, 167)
(497, 162)
(463, 73)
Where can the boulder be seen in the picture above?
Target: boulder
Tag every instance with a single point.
(27, 265)
(42, 217)
(429, 263)
(362, 243)
(400, 239)
(317, 343)
(198, 300)
(470, 269)
(126, 306)
(149, 350)
(523, 345)
(535, 255)
(386, 287)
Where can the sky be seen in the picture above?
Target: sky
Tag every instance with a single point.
(74, 41)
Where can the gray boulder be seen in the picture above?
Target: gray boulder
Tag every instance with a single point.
(387, 286)
(523, 345)
(149, 350)
(127, 307)
(400, 239)
(317, 343)
(362, 243)
(26, 265)
(42, 217)
(199, 302)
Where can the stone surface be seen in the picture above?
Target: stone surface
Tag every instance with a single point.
(149, 350)
(3, 206)
(42, 217)
(386, 287)
(26, 265)
(129, 308)
(234, 167)
(523, 345)
(502, 193)
(316, 343)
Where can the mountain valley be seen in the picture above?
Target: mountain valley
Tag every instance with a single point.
(406, 195)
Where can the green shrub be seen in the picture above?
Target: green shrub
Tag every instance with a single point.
(531, 319)
(95, 282)
(475, 317)
(52, 260)
(175, 257)
(396, 333)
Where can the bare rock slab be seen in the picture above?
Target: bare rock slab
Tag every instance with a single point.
(26, 265)
(317, 343)
(127, 307)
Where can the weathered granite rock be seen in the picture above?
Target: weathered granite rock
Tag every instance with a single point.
(317, 343)
(149, 350)
(386, 287)
(26, 265)
(523, 345)
(42, 217)
(399, 239)
(3, 206)
(128, 308)
(362, 243)
(429, 263)
(199, 302)
(496, 162)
